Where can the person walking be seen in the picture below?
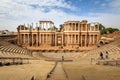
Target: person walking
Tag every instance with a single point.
(106, 55)
(101, 55)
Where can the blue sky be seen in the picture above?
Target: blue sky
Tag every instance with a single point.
(15, 12)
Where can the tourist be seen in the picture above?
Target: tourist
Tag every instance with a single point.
(62, 58)
(101, 55)
(106, 55)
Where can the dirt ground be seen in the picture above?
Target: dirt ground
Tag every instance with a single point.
(79, 71)
(38, 69)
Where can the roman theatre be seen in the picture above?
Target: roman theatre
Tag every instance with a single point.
(71, 52)
(72, 35)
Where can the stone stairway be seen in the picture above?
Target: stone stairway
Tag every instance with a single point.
(58, 73)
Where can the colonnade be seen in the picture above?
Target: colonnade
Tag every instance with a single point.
(72, 33)
(46, 24)
(72, 27)
(77, 26)
(82, 40)
(38, 40)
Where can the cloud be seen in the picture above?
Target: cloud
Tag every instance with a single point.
(15, 12)
(115, 5)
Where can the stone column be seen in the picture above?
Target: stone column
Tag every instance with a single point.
(51, 39)
(97, 38)
(81, 40)
(85, 27)
(36, 40)
(24, 38)
(67, 39)
(75, 38)
(94, 28)
(39, 38)
(32, 39)
(75, 26)
(62, 39)
(78, 39)
(28, 39)
(81, 27)
(70, 27)
(70, 38)
(93, 39)
(89, 39)
(85, 39)
(46, 38)
(42, 38)
(55, 40)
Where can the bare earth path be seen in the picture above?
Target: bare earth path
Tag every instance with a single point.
(58, 73)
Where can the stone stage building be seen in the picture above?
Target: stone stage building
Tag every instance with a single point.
(71, 36)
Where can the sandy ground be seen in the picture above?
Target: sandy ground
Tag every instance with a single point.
(79, 70)
(38, 69)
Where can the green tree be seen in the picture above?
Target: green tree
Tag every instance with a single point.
(102, 29)
(111, 30)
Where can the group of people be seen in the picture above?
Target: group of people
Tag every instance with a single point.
(106, 55)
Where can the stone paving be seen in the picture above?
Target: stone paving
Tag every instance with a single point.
(58, 73)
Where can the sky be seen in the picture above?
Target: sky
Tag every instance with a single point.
(16, 12)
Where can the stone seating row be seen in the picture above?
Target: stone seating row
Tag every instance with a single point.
(109, 62)
(10, 53)
(112, 49)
